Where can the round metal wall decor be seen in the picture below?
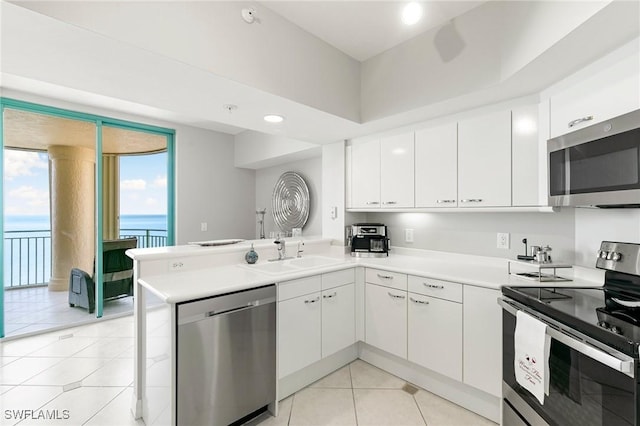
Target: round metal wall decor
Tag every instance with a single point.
(290, 202)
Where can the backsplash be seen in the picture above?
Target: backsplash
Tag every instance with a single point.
(476, 233)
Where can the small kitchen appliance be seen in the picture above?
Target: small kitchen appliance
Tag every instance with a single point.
(369, 240)
(593, 368)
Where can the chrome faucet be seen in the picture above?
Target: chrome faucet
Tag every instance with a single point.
(300, 251)
(282, 250)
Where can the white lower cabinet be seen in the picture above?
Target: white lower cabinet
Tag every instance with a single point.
(386, 319)
(299, 333)
(435, 334)
(338, 319)
(313, 324)
(482, 339)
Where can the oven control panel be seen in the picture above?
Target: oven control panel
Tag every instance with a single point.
(620, 257)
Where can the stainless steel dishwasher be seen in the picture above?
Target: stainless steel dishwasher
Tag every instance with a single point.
(226, 360)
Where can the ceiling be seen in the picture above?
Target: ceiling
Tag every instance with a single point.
(32, 131)
(363, 29)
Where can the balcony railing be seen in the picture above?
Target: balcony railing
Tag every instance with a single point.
(27, 254)
(27, 258)
(146, 237)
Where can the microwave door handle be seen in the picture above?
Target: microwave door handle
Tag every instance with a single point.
(624, 366)
(567, 171)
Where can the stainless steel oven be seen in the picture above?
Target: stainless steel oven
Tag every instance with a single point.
(593, 367)
(589, 383)
(597, 166)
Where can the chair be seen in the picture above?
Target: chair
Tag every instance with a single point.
(117, 274)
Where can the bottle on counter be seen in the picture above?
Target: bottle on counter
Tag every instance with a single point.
(251, 256)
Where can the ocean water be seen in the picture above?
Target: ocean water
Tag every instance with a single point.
(27, 244)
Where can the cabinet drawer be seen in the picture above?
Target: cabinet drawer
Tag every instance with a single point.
(300, 287)
(436, 288)
(338, 278)
(386, 278)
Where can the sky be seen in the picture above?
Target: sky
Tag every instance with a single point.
(143, 184)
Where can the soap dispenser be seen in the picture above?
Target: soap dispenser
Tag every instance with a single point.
(252, 256)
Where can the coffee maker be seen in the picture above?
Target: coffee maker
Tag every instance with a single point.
(369, 240)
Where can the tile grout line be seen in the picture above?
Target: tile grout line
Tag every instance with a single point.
(353, 395)
(419, 409)
(105, 405)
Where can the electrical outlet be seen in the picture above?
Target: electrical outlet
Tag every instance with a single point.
(408, 235)
(203, 226)
(503, 240)
(176, 265)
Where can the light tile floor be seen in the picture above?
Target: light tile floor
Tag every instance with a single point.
(85, 376)
(361, 394)
(34, 309)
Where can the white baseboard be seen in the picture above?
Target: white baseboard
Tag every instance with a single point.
(300, 379)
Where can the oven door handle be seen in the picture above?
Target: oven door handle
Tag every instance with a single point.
(625, 366)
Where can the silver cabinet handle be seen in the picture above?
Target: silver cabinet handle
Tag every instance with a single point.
(445, 201)
(329, 296)
(312, 300)
(471, 200)
(395, 296)
(580, 120)
(421, 302)
(618, 361)
(439, 287)
(385, 277)
(386, 203)
(369, 203)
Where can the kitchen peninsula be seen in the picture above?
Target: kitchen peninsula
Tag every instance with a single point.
(330, 310)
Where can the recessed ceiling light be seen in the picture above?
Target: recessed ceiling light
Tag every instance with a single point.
(411, 13)
(273, 118)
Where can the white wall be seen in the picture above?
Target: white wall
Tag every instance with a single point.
(255, 150)
(596, 225)
(265, 180)
(273, 54)
(208, 187)
(476, 233)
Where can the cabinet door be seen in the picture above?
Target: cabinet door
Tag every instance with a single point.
(386, 319)
(482, 348)
(613, 91)
(484, 160)
(365, 174)
(526, 156)
(299, 331)
(338, 319)
(437, 166)
(435, 334)
(397, 171)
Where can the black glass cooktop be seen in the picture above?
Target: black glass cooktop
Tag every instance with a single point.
(587, 310)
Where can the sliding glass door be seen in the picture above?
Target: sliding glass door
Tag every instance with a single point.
(67, 176)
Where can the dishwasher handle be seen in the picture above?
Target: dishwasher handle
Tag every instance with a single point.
(225, 304)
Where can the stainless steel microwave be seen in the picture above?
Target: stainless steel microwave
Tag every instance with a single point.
(597, 166)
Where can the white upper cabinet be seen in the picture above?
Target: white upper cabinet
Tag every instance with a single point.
(397, 171)
(525, 156)
(365, 175)
(436, 153)
(613, 91)
(484, 160)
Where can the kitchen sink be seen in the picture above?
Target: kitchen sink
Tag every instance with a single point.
(313, 261)
(292, 265)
